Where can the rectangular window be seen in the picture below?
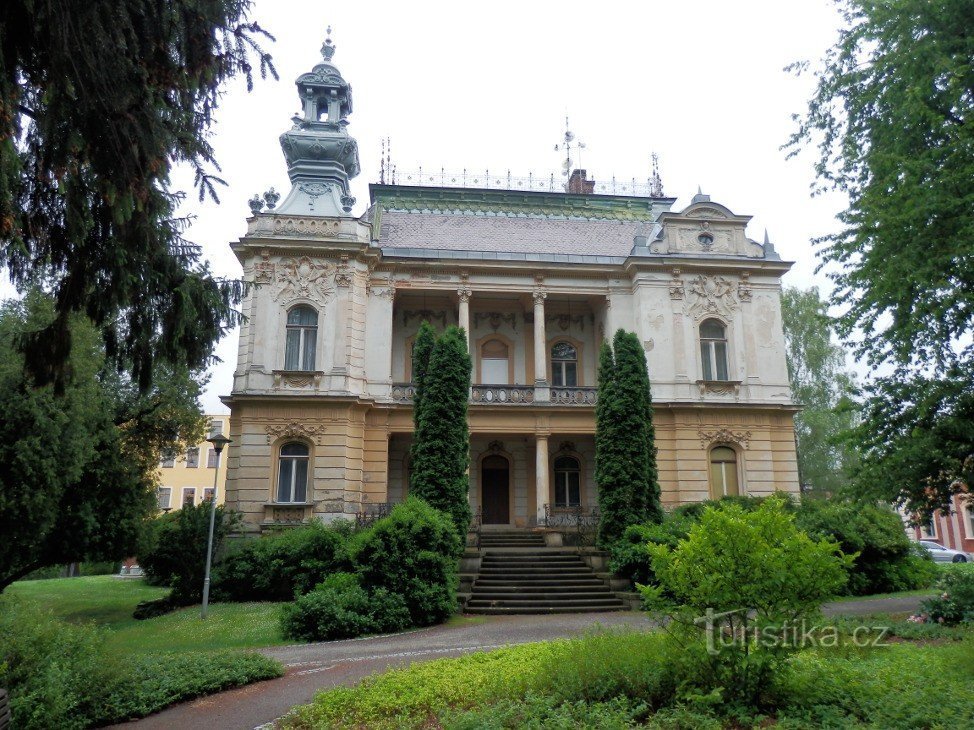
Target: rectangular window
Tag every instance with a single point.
(705, 358)
(216, 427)
(567, 489)
(211, 458)
(189, 496)
(300, 479)
(720, 355)
(164, 497)
(292, 350)
(168, 460)
(285, 480)
(494, 371)
(928, 530)
(969, 526)
(308, 356)
(193, 457)
(208, 494)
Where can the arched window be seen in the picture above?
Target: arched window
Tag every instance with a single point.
(302, 334)
(292, 473)
(713, 350)
(723, 471)
(567, 482)
(564, 365)
(495, 363)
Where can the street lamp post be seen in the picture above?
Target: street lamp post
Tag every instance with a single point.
(219, 441)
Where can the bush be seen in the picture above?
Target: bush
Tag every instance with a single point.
(174, 551)
(282, 565)
(412, 552)
(954, 602)
(747, 572)
(629, 556)
(340, 608)
(60, 675)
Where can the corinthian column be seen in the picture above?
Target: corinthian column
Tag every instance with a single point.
(540, 342)
(463, 316)
(542, 495)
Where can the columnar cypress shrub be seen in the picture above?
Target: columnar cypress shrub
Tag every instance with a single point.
(441, 443)
(422, 349)
(625, 455)
(632, 377)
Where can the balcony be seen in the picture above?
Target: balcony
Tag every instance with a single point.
(512, 395)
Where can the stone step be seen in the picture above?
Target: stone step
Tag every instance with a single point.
(535, 571)
(530, 557)
(527, 611)
(575, 582)
(534, 591)
(553, 565)
(608, 602)
(511, 544)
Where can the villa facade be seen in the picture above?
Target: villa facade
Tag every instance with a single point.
(321, 415)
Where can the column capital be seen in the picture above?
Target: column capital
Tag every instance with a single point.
(464, 293)
(539, 296)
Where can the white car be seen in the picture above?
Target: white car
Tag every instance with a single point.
(940, 554)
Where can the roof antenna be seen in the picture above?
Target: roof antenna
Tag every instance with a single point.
(567, 147)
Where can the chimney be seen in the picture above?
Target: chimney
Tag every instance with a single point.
(577, 183)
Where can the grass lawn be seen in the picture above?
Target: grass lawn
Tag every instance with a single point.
(109, 602)
(922, 592)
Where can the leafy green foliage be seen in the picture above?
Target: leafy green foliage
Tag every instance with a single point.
(630, 556)
(62, 675)
(441, 443)
(78, 468)
(954, 602)
(412, 552)
(340, 608)
(823, 388)
(177, 555)
(278, 566)
(891, 119)
(738, 573)
(422, 351)
(90, 127)
(625, 451)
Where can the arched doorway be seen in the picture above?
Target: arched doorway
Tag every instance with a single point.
(495, 502)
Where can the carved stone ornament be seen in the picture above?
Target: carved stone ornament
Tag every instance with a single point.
(421, 314)
(565, 321)
(744, 288)
(676, 285)
(289, 379)
(495, 447)
(724, 436)
(709, 295)
(382, 289)
(495, 319)
(566, 447)
(264, 269)
(720, 387)
(293, 429)
(343, 276)
(464, 293)
(303, 278)
(314, 190)
(539, 296)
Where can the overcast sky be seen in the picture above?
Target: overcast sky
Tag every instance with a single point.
(488, 86)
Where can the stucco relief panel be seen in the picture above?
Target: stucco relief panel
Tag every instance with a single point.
(710, 295)
(304, 278)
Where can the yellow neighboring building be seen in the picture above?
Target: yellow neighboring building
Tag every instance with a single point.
(188, 478)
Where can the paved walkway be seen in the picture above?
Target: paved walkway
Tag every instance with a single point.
(313, 667)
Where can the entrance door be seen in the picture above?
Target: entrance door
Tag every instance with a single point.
(494, 490)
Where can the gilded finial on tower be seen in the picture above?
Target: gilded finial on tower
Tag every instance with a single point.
(327, 48)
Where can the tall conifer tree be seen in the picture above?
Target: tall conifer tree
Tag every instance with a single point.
(422, 349)
(441, 445)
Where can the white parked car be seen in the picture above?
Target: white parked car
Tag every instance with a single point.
(940, 554)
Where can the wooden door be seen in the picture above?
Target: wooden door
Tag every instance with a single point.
(495, 490)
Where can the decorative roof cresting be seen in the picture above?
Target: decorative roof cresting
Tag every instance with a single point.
(321, 155)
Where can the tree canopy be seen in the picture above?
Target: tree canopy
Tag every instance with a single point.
(98, 100)
(892, 120)
(78, 470)
(823, 387)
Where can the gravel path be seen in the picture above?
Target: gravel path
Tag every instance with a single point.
(313, 667)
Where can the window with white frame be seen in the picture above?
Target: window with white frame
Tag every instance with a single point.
(216, 427)
(564, 365)
(495, 363)
(928, 529)
(168, 460)
(164, 497)
(211, 458)
(723, 471)
(567, 482)
(207, 494)
(192, 457)
(713, 350)
(292, 473)
(301, 339)
(189, 496)
(969, 521)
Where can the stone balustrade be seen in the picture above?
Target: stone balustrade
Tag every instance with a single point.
(514, 395)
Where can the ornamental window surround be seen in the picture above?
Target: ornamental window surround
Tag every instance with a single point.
(301, 338)
(564, 365)
(713, 350)
(292, 473)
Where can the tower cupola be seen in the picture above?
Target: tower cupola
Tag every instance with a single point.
(321, 156)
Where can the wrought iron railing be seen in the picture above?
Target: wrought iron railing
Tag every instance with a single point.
(579, 523)
(370, 512)
(504, 180)
(509, 395)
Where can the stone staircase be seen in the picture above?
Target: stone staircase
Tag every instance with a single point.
(518, 574)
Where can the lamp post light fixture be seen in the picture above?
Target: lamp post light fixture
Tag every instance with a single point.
(219, 441)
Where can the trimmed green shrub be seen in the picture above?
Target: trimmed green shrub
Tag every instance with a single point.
(630, 557)
(954, 602)
(412, 553)
(340, 608)
(59, 675)
(174, 554)
(279, 566)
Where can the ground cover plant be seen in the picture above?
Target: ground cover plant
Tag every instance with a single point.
(69, 675)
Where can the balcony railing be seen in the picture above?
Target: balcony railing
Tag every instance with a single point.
(514, 395)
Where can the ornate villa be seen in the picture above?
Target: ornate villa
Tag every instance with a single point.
(538, 275)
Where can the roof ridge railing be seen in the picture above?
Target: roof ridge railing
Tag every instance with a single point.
(550, 183)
